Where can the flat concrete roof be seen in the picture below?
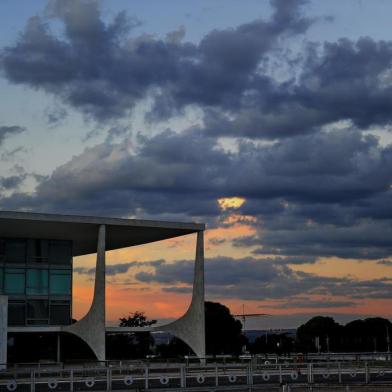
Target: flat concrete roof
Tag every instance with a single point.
(83, 230)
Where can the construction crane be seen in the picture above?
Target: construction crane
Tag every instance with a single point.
(244, 316)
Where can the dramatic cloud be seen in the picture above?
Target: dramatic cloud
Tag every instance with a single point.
(7, 131)
(255, 279)
(324, 194)
(119, 268)
(311, 183)
(101, 70)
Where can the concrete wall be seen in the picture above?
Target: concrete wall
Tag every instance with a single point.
(3, 330)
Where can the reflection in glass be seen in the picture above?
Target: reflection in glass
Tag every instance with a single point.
(37, 281)
(14, 281)
(60, 282)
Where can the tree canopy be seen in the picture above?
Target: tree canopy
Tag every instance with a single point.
(131, 345)
(223, 331)
(370, 334)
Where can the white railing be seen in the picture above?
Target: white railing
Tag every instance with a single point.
(138, 376)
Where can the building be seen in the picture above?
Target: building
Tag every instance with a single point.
(36, 252)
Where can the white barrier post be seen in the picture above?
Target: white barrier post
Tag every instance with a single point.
(32, 382)
(3, 331)
(146, 378)
(366, 373)
(108, 379)
(183, 376)
(250, 370)
(71, 381)
(216, 375)
(340, 372)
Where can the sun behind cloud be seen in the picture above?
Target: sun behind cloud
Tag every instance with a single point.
(226, 203)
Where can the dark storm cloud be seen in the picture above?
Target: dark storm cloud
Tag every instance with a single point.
(103, 71)
(370, 241)
(255, 279)
(324, 194)
(344, 80)
(119, 268)
(8, 131)
(321, 192)
(166, 174)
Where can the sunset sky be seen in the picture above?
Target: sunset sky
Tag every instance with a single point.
(267, 120)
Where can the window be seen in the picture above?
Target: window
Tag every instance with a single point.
(60, 252)
(37, 311)
(60, 281)
(37, 281)
(60, 313)
(15, 251)
(14, 281)
(37, 251)
(16, 313)
(1, 280)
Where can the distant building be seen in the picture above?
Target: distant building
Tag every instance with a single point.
(36, 252)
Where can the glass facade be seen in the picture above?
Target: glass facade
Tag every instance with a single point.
(14, 281)
(37, 277)
(37, 281)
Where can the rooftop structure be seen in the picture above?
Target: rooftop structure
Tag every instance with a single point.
(36, 252)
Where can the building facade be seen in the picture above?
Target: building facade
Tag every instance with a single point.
(36, 252)
(36, 275)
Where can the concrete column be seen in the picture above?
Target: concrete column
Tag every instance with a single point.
(191, 327)
(3, 330)
(91, 328)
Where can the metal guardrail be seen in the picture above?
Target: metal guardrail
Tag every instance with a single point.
(234, 376)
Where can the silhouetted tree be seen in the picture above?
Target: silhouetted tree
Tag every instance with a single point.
(325, 329)
(137, 319)
(223, 334)
(223, 331)
(370, 334)
(131, 345)
(367, 335)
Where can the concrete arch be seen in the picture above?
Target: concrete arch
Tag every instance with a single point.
(190, 327)
(91, 328)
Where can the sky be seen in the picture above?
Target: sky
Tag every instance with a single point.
(267, 120)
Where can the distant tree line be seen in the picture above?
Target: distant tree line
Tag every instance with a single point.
(224, 335)
(325, 334)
